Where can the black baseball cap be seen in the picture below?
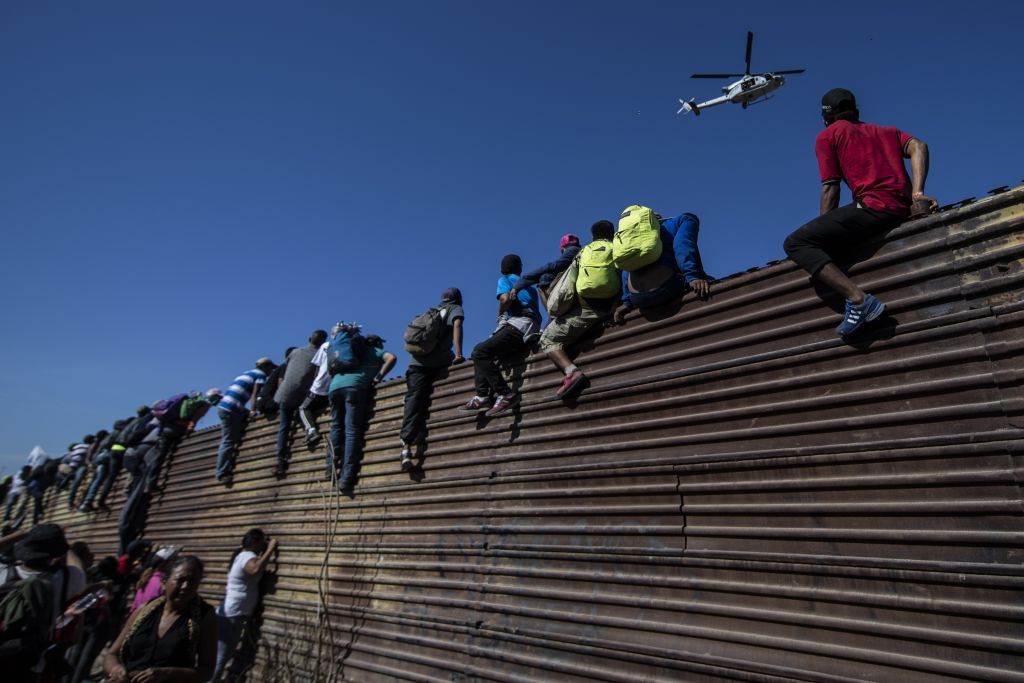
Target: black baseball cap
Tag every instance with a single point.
(837, 100)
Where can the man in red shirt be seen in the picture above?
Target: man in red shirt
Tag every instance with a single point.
(870, 159)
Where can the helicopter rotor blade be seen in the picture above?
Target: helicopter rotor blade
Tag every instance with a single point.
(789, 71)
(750, 44)
(716, 75)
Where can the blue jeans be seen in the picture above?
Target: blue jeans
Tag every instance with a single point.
(79, 477)
(232, 429)
(285, 419)
(348, 421)
(673, 288)
(229, 633)
(101, 466)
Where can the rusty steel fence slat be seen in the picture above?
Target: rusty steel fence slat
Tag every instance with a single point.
(739, 495)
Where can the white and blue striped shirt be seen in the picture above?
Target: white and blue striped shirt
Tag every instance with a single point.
(241, 389)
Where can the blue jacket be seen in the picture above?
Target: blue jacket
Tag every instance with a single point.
(544, 275)
(678, 249)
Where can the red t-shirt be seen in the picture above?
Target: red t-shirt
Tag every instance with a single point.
(870, 159)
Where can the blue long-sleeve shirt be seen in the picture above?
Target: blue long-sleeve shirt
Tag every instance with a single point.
(545, 274)
(678, 250)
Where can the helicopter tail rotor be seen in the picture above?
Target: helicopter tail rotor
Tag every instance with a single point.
(688, 107)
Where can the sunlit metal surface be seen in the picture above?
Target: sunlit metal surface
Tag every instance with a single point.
(738, 495)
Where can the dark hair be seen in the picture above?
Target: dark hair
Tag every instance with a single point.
(107, 568)
(82, 550)
(143, 410)
(190, 560)
(289, 350)
(102, 434)
(511, 264)
(252, 539)
(88, 438)
(602, 230)
(318, 334)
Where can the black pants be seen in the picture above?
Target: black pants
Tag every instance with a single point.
(506, 342)
(831, 235)
(170, 436)
(419, 383)
(310, 409)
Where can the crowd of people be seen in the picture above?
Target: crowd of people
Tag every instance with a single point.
(645, 262)
(134, 618)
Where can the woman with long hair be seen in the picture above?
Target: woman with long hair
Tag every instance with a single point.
(170, 639)
(242, 594)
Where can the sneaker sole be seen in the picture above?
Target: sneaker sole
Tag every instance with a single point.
(870, 317)
(563, 392)
(503, 411)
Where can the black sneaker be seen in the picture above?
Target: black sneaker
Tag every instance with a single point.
(405, 460)
(313, 439)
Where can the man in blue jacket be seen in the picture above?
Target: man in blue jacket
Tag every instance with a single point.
(569, 249)
(677, 269)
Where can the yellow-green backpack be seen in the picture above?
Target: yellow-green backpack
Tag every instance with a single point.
(638, 240)
(598, 278)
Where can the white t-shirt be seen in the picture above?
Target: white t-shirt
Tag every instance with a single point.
(243, 590)
(323, 378)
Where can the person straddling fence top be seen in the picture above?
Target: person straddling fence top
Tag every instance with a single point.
(677, 269)
(597, 292)
(426, 368)
(171, 638)
(518, 321)
(869, 159)
(569, 249)
(241, 596)
(350, 397)
(292, 391)
(234, 416)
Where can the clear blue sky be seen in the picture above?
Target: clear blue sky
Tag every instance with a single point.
(187, 186)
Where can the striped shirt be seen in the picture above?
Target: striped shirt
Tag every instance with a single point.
(241, 389)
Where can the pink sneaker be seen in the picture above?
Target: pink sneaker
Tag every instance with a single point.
(570, 383)
(503, 404)
(475, 405)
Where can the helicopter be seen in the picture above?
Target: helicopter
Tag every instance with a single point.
(748, 89)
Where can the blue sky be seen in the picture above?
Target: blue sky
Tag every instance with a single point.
(187, 186)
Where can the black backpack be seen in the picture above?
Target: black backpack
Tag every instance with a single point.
(265, 399)
(136, 431)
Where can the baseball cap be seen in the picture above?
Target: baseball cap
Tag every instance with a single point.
(838, 100)
(568, 239)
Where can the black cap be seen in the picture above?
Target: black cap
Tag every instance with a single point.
(43, 543)
(837, 100)
(375, 341)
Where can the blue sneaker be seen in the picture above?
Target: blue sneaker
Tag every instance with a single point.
(858, 315)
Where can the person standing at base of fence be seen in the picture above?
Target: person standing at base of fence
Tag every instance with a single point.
(241, 597)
